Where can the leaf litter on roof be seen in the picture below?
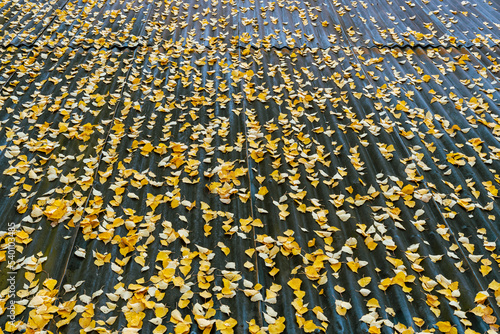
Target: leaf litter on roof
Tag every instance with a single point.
(259, 167)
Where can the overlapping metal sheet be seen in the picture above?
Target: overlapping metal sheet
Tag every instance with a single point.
(264, 24)
(262, 167)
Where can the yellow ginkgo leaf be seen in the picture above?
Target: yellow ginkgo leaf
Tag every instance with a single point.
(373, 303)
(295, 283)
(364, 281)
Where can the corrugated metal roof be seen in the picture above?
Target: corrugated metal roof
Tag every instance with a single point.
(263, 24)
(251, 166)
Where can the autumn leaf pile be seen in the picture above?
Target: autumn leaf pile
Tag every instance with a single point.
(250, 167)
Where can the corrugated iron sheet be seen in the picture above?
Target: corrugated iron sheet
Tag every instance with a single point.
(200, 155)
(266, 24)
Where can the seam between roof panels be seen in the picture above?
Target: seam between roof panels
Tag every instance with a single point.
(77, 227)
(247, 158)
(346, 44)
